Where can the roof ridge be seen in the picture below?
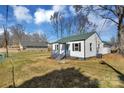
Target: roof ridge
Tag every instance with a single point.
(83, 36)
(79, 34)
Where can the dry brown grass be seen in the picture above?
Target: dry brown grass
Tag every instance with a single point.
(33, 64)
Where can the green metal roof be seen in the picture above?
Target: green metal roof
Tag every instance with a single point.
(107, 43)
(75, 37)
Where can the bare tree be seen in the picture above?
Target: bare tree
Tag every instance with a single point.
(18, 33)
(69, 25)
(2, 40)
(78, 23)
(114, 14)
(61, 19)
(58, 23)
(5, 33)
(36, 37)
(43, 38)
(55, 23)
(81, 18)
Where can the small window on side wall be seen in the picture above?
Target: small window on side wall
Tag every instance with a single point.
(90, 46)
(98, 45)
(56, 47)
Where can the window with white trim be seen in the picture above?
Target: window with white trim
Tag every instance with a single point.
(56, 47)
(76, 46)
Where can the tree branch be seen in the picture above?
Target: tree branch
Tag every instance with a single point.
(108, 9)
(109, 19)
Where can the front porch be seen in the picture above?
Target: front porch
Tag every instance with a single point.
(61, 51)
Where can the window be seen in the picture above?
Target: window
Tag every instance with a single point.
(76, 46)
(73, 47)
(98, 46)
(56, 47)
(90, 46)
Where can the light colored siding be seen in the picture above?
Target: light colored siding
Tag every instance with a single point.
(62, 48)
(53, 46)
(77, 53)
(95, 40)
(106, 50)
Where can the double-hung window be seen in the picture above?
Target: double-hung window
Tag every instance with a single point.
(90, 46)
(56, 47)
(76, 46)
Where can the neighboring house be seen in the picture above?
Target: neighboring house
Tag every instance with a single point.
(81, 46)
(106, 47)
(28, 45)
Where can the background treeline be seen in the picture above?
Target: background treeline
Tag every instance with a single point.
(17, 34)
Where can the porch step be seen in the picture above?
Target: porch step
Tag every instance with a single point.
(60, 56)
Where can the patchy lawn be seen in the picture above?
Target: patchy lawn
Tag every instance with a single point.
(37, 69)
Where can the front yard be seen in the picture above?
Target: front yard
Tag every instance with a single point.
(38, 69)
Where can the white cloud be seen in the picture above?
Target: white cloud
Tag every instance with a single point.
(22, 13)
(57, 8)
(72, 10)
(39, 31)
(42, 15)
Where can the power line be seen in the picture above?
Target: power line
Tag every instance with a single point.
(102, 26)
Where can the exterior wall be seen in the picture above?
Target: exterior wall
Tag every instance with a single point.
(95, 40)
(79, 54)
(32, 48)
(101, 48)
(106, 50)
(62, 48)
(53, 46)
(36, 49)
(99, 41)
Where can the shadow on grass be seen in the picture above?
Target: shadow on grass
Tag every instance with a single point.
(50, 57)
(64, 78)
(121, 75)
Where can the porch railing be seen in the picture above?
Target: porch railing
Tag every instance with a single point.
(57, 55)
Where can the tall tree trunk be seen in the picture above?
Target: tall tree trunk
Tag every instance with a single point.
(5, 32)
(6, 40)
(121, 32)
(121, 40)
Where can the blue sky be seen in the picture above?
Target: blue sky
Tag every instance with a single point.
(37, 19)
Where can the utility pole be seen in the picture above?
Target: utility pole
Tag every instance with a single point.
(5, 32)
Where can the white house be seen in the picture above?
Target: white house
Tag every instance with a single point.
(106, 47)
(81, 46)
